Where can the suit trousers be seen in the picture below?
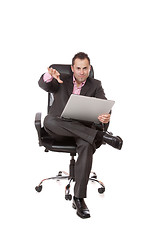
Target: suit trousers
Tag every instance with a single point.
(85, 138)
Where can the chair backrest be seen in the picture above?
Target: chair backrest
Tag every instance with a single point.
(63, 69)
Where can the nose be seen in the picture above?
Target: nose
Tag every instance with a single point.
(82, 72)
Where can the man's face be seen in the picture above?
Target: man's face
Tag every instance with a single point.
(81, 69)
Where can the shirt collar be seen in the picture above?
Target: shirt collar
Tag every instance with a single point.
(74, 82)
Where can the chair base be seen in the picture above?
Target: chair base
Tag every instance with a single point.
(64, 175)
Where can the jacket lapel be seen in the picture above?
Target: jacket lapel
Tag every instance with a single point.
(86, 87)
(69, 85)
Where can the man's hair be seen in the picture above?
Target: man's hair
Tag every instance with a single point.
(82, 56)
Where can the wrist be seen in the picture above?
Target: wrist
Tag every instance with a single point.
(47, 77)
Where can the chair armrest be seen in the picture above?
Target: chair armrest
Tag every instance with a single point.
(105, 127)
(38, 119)
(38, 126)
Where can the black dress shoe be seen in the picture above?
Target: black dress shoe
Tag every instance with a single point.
(82, 210)
(114, 141)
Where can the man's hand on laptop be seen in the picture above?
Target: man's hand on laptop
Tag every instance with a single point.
(104, 118)
(54, 73)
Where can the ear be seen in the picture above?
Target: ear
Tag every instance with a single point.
(72, 68)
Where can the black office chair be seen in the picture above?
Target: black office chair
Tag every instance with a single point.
(69, 146)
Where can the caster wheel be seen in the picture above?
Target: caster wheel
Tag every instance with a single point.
(101, 190)
(94, 176)
(60, 174)
(68, 197)
(38, 188)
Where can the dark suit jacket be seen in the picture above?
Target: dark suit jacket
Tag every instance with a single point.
(62, 91)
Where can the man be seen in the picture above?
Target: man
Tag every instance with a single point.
(86, 136)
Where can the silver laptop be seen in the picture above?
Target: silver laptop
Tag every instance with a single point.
(85, 108)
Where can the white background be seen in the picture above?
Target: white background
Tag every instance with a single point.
(122, 39)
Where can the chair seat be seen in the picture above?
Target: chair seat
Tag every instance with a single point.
(63, 147)
(67, 146)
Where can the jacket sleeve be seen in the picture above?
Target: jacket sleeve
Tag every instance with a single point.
(99, 91)
(48, 86)
(100, 94)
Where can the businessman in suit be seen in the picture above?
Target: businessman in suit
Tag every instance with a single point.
(86, 136)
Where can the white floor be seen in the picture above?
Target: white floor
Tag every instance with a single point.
(129, 208)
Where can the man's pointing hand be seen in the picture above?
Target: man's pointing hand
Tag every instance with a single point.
(54, 73)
